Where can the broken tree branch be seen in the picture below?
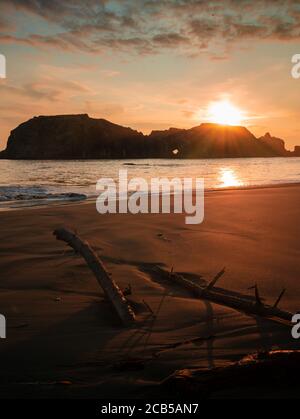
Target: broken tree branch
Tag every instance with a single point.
(257, 296)
(216, 278)
(279, 298)
(110, 288)
(263, 370)
(230, 299)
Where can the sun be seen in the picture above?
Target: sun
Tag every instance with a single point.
(225, 113)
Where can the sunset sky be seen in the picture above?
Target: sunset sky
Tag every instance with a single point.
(151, 64)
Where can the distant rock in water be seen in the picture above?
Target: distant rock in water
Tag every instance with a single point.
(211, 141)
(297, 151)
(70, 137)
(276, 144)
(82, 137)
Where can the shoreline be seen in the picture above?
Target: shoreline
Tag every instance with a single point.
(44, 203)
(157, 158)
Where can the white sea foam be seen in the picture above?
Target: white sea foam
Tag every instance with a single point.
(19, 194)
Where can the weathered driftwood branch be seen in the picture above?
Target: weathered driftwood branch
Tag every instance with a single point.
(216, 278)
(110, 288)
(279, 298)
(267, 370)
(231, 299)
(257, 295)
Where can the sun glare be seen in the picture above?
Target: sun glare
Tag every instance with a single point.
(225, 113)
(228, 177)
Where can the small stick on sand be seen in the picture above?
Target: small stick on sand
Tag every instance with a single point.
(257, 296)
(279, 298)
(110, 288)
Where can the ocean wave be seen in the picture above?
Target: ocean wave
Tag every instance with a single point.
(154, 164)
(136, 164)
(33, 193)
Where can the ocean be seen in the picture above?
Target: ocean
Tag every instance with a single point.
(26, 183)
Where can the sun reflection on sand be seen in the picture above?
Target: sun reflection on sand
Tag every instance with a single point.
(228, 177)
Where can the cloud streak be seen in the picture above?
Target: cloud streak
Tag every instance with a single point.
(152, 26)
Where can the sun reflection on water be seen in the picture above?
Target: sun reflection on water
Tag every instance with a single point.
(228, 177)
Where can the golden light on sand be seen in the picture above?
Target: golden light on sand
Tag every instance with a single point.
(228, 178)
(225, 113)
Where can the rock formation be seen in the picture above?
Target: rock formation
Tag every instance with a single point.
(82, 137)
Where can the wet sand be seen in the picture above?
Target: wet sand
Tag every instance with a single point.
(63, 338)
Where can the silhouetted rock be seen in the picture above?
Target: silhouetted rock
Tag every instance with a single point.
(82, 137)
(212, 141)
(70, 137)
(296, 152)
(276, 144)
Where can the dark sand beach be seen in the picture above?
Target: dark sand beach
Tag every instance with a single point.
(63, 338)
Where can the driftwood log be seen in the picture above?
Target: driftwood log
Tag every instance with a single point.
(240, 302)
(259, 373)
(109, 286)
